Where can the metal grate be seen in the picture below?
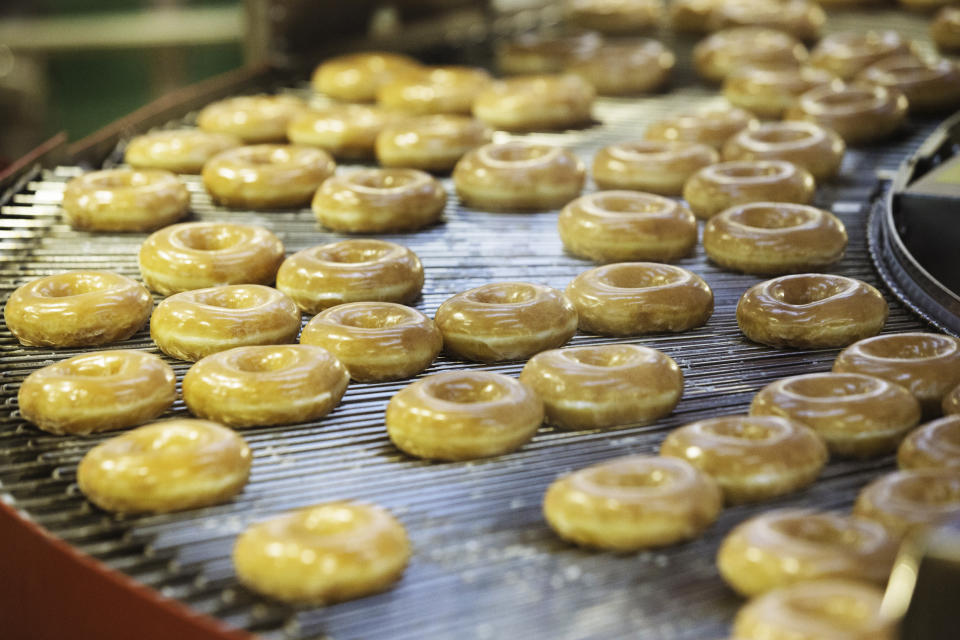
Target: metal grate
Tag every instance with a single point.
(485, 564)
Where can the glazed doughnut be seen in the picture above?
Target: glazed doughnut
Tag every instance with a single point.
(856, 415)
(817, 610)
(124, 200)
(534, 53)
(926, 364)
(505, 321)
(935, 445)
(787, 546)
(538, 102)
(376, 340)
(648, 165)
(194, 324)
(774, 238)
(351, 271)
(719, 54)
(165, 466)
(846, 53)
(805, 144)
(379, 200)
(77, 309)
(618, 226)
(618, 17)
(859, 113)
(357, 77)
(330, 552)
(638, 66)
(802, 19)
(929, 85)
(177, 150)
(811, 311)
(692, 16)
(631, 503)
(604, 386)
(712, 125)
(197, 255)
(720, 186)
(253, 119)
(462, 415)
(265, 385)
(910, 501)
(518, 176)
(768, 91)
(430, 143)
(752, 458)
(634, 298)
(96, 392)
(266, 176)
(951, 402)
(342, 130)
(434, 91)
(945, 29)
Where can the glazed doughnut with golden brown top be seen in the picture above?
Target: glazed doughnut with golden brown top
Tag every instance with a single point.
(618, 17)
(858, 112)
(430, 143)
(604, 386)
(805, 144)
(926, 364)
(637, 66)
(351, 271)
(518, 176)
(196, 255)
(534, 53)
(929, 85)
(97, 392)
(846, 53)
(265, 385)
(811, 311)
(945, 29)
(712, 125)
(910, 501)
(787, 546)
(376, 340)
(719, 54)
(165, 466)
(253, 119)
(124, 200)
(802, 19)
(505, 321)
(435, 90)
(178, 150)
(692, 15)
(77, 309)
(752, 458)
(266, 176)
(951, 402)
(633, 298)
(816, 610)
(462, 415)
(631, 503)
(357, 77)
(769, 90)
(194, 324)
(856, 415)
(649, 165)
(935, 445)
(379, 200)
(322, 554)
(617, 226)
(774, 238)
(720, 186)
(532, 103)
(343, 130)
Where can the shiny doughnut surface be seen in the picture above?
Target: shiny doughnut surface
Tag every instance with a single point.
(816, 149)
(537, 102)
(719, 54)
(124, 200)
(935, 445)
(177, 150)
(649, 165)
(769, 90)
(800, 18)
(436, 90)
(909, 501)
(859, 112)
(343, 130)
(430, 143)
(721, 186)
(357, 77)
(930, 86)
(533, 53)
(638, 66)
(253, 119)
(711, 125)
(846, 53)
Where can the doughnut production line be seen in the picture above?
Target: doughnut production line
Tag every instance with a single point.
(484, 563)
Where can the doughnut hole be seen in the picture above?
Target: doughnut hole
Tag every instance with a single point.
(209, 238)
(751, 171)
(273, 360)
(72, 284)
(642, 148)
(934, 491)
(629, 204)
(517, 152)
(370, 319)
(832, 386)
(354, 252)
(780, 135)
(384, 178)
(464, 390)
(821, 531)
(800, 291)
(848, 98)
(231, 297)
(772, 217)
(651, 479)
(608, 357)
(742, 429)
(913, 347)
(261, 156)
(504, 294)
(632, 276)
